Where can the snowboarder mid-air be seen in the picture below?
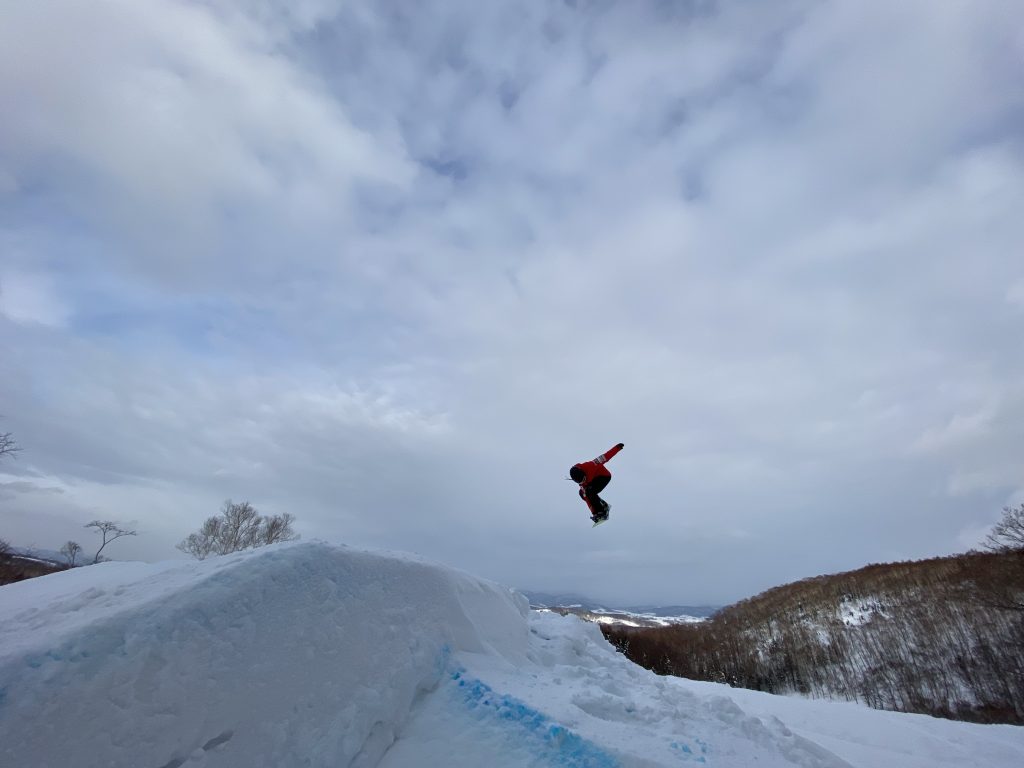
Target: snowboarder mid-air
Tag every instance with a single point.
(593, 477)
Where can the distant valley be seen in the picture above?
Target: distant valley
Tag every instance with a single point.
(629, 616)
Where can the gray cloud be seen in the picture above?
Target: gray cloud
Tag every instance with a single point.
(10, 489)
(394, 271)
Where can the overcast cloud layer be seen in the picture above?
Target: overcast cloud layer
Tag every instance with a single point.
(394, 267)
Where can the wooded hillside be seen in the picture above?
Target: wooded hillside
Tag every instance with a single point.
(15, 567)
(943, 636)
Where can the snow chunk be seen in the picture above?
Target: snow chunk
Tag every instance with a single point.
(856, 612)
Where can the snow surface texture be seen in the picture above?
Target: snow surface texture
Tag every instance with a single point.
(316, 655)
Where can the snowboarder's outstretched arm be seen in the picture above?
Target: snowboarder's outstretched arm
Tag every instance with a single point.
(607, 455)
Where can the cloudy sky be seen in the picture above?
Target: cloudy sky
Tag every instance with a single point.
(393, 267)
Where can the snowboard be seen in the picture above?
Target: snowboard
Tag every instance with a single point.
(604, 517)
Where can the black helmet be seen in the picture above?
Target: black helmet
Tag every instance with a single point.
(576, 473)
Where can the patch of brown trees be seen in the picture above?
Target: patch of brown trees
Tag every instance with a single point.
(940, 636)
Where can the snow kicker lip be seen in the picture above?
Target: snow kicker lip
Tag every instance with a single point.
(565, 747)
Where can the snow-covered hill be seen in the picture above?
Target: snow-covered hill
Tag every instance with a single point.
(641, 616)
(619, 617)
(315, 655)
(42, 555)
(936, 636)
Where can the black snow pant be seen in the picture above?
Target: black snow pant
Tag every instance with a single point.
(589, 494)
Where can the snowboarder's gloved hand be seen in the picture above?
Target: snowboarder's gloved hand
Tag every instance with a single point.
(620, 446)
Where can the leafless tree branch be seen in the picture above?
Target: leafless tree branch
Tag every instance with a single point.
(8, 447)
(110, 531)
(1008, 534)
(71, 550)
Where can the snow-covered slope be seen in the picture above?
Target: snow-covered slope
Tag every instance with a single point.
(623, 617)
(315, 655)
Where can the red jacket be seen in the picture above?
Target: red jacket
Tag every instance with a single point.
(596, 468)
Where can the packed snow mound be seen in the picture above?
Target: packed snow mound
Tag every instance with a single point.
(298, 655)
(317, 655)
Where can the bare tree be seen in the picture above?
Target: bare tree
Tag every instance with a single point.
(7, 445)
(110, 531)
(239, 526)
(277, 528)
(201, 544)
(71, 551)
(1008, 534)
(1002, 585)
(7, 448)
